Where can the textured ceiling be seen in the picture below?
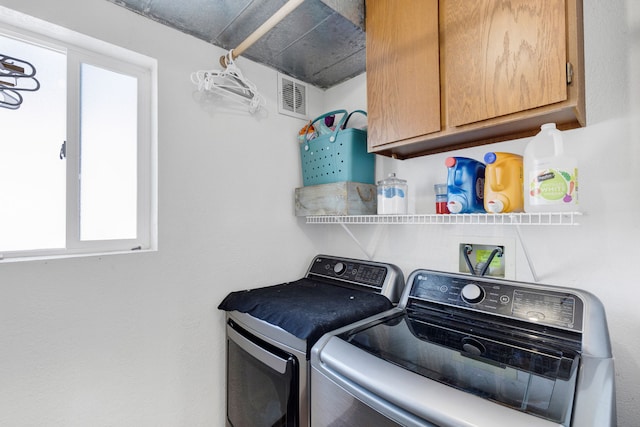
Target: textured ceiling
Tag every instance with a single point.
(322, 42)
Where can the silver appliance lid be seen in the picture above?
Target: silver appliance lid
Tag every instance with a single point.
(530, 350)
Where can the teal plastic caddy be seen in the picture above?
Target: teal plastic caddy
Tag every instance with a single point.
(337, 156)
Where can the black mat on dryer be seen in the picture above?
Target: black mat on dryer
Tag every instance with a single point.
(306, 308)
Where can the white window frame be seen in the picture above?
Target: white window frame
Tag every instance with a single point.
(81, 49)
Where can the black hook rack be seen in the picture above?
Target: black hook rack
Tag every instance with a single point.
(16, 75)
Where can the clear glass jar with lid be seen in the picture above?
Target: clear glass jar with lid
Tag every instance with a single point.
(392, 196)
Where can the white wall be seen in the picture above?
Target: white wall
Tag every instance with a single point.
(600, 254)
(137, 340)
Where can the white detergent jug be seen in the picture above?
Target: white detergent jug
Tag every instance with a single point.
(550, 176)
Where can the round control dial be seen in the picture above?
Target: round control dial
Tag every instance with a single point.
(339, 268)
(472, 293)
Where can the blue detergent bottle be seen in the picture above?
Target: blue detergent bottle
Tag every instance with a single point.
(465, 185)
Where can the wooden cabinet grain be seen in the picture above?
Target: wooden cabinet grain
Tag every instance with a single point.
(450, 74)
(403, 70)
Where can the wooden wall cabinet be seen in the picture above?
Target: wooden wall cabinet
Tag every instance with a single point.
(450, 74)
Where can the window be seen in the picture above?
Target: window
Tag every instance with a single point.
(77, 158)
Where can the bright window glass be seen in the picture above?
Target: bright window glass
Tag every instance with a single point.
(32, 173)
(108, 154)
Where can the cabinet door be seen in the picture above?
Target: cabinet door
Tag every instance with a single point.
(403, 77)
(501, 57)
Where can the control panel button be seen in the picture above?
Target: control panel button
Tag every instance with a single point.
(472, 293)
(339, 268)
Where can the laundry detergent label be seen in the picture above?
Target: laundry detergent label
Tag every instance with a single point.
(553, 186)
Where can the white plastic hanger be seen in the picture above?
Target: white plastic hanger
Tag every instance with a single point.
(231, 84)
(229, 81)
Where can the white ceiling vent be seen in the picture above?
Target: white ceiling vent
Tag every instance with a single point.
(292, 97)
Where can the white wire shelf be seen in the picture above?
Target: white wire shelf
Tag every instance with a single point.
(541, 218)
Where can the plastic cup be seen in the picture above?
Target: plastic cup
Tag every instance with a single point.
(441, 198)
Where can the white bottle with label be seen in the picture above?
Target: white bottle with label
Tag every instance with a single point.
(550, 176)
